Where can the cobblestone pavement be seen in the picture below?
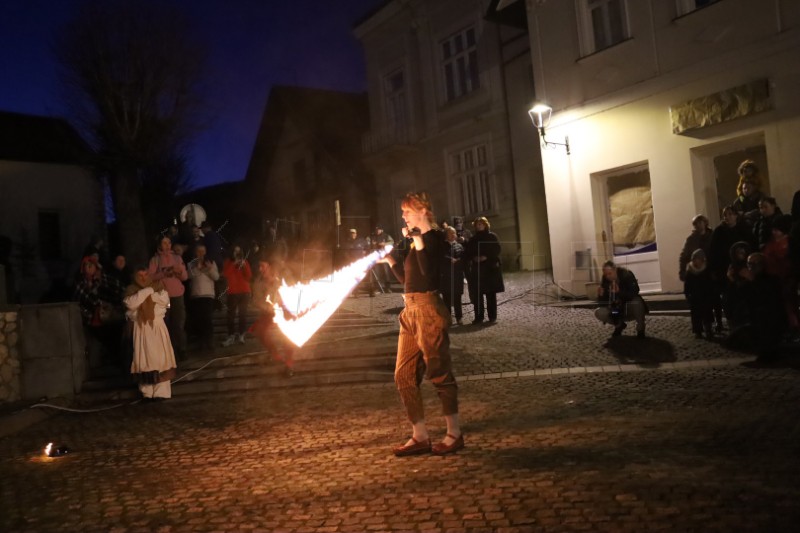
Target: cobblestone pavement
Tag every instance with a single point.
(531, 335)
(712, 449)
(560, 437)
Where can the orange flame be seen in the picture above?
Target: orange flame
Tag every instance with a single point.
(318, 299)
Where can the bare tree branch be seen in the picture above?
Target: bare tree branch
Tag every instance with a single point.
(130, 71)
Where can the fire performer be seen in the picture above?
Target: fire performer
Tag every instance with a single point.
(153, 360)
(423, 347)
(265, 295)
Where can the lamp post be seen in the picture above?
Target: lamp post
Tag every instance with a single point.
(540, 116)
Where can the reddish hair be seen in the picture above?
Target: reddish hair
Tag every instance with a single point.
(417, 201)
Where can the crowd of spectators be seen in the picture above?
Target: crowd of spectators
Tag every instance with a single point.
(198, 270)
(746, 268)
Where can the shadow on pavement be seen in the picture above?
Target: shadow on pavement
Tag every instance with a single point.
(649, 351)
(782, 361)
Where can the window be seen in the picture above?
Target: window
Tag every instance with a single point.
(687, 6)
(630, 206)
(49, 235)
(603, 23)
(460, 64)
(471, 175)
(394, 89)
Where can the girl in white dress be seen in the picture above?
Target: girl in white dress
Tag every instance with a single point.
(153, 364)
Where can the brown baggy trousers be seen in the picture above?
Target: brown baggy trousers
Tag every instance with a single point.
(423, 349)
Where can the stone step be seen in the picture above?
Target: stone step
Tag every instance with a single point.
(348, 348)
(277, 379)
(325, 363)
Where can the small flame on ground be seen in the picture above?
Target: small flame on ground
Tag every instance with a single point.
(48, 449)
(318, 299)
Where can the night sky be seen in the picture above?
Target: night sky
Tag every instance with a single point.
(253, 44)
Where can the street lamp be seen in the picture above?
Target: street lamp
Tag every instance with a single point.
(540, 116)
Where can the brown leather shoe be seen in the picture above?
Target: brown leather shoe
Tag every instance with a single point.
(416, 448)
(443, 449)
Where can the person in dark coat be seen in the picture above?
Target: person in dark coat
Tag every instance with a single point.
(452, 274)
(794, 236)
(701, 293)
(766, 309)
(462, 234)
(484, 270)
(738, 275)
(700, 237)
(213, 241)
(762, 229)
(731, 230)
(619, 291)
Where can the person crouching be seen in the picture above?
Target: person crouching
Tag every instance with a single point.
(620, 289)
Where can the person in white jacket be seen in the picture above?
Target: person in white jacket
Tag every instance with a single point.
(153, 365)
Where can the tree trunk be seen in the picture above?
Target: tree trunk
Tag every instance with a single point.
(125, 192)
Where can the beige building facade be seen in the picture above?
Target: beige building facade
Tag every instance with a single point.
(439, 97)
(660, 100)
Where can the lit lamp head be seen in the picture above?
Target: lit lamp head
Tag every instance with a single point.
(540, 116)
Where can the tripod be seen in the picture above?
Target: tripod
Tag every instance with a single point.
(375, 278)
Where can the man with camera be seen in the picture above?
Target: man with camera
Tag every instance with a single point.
(619, 291)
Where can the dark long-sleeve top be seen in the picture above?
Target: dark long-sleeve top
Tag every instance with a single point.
(627, 284)
(452, 270)
(419, 272)
(88, 294)
(722, 238)
(695, 241)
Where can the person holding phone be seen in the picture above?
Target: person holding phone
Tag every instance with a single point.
(168, 267)
(424, 344)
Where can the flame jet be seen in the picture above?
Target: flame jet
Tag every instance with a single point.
(315, 301)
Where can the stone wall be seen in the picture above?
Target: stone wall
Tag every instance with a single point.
(9, 356)
(42, 351)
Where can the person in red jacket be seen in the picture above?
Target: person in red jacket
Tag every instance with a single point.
(237, 272)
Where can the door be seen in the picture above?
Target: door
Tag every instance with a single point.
(626, 222)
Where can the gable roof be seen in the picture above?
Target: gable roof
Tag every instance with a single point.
(40, 139)
(333, 120)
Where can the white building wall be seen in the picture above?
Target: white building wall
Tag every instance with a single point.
(69, 190)
(623, 118)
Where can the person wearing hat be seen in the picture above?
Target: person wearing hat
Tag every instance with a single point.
(748, 192)
(701, 293)
(354, 246)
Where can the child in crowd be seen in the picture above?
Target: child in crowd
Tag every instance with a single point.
(265, 296)
(700, 291)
